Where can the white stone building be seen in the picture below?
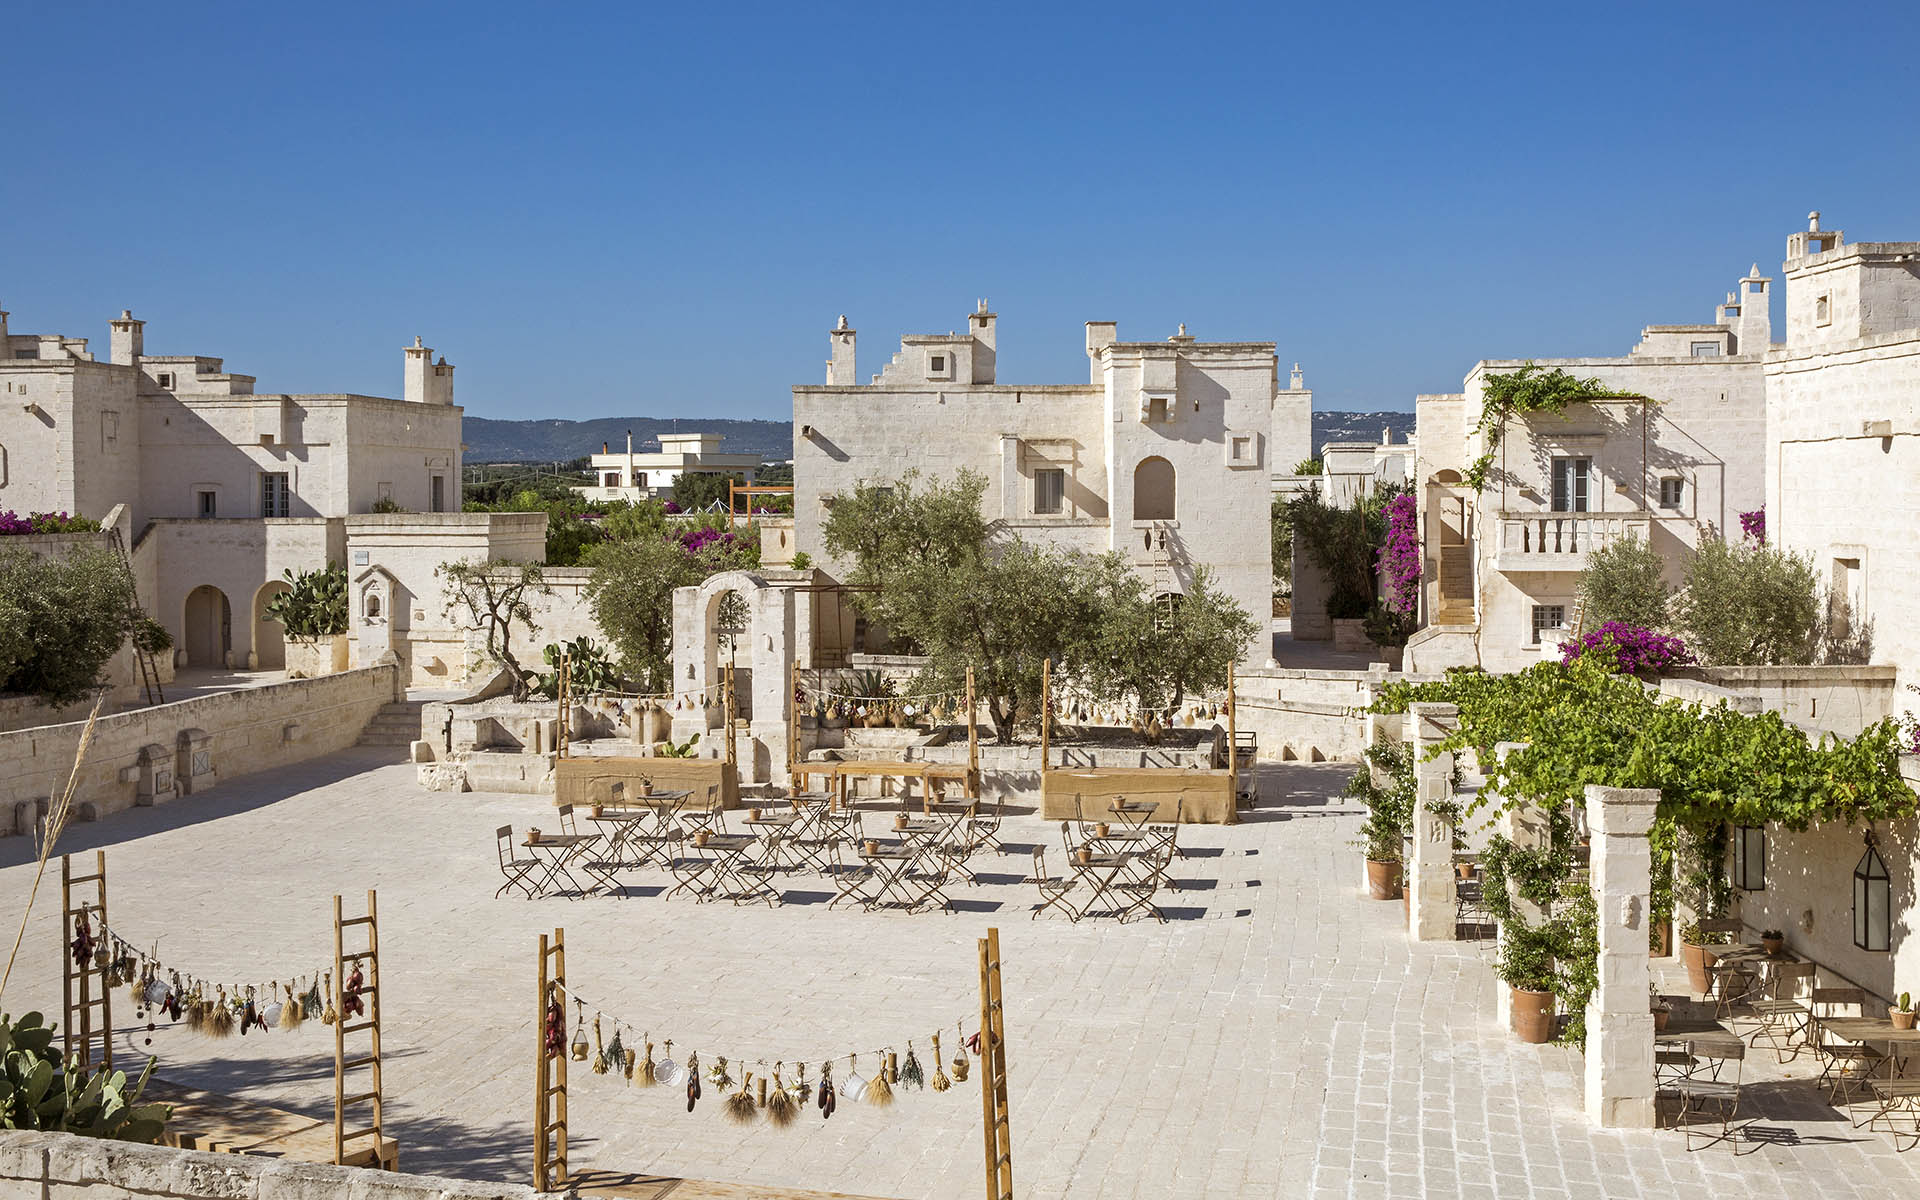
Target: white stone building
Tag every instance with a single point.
(1501, 565)
(1843, 432)
(634, 476)
(1165, 455)
(223, 487)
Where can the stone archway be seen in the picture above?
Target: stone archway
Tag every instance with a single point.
(269, 635)
(208, 627)
(1153, 490)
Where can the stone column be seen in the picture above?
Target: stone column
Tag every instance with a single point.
(1430, 875)
(1619, 1026)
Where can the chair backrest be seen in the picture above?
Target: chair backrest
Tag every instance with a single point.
(1066, 838)
(1788, 976)
(1039, 862)
(1731, 925)
(503, 838)
(1725, 1049)
(568, 825)
(1839, 997)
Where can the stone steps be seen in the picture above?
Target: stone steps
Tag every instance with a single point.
(394, 725)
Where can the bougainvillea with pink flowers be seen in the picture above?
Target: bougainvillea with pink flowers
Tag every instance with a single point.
(1399, 557)
(1754, 524)
(13, 523)
(1631, 649)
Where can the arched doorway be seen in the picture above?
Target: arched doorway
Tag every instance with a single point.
(209, 627)
(1153, 490)
(731, 622)
(269, 635)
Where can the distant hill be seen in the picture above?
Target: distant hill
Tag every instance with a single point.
(557, 441)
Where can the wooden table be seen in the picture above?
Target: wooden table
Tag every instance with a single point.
(560, 849)
(229, 1125)
(1875, 1029)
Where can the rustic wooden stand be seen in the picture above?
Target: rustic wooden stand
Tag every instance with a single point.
(995, 1120)
(78, 1026)
(550, 1071)
(381, 1152)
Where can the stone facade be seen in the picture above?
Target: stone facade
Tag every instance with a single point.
(1165, 456)
(633, 477)
(1501, 564)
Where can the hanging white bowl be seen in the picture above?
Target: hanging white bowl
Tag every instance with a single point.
(271, 1015)
(853, 1087)
(667, 1072)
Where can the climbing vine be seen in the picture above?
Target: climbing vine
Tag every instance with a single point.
(1531, 389)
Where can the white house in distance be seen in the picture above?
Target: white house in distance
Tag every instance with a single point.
(1501, 565)
(633, 477)
(1843, 432)
(220, 488)
(1165, 455)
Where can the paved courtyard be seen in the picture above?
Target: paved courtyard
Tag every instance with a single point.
(1279, 1037)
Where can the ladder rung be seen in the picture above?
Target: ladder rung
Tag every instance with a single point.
(71, 880)
(360, 1097)
(356, 921)
(370, 1131)
(351, 1063)
(356, 957)
(356, 1028)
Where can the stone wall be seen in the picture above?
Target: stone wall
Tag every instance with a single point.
(61, 1166)
(1841, 699)
(1306, 715)
(157, 754)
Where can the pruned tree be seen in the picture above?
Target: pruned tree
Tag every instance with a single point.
(490, 598)
(632, 599)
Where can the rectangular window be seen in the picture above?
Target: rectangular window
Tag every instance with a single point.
(1749, 858)
(437, 493)
(209, 503)
(275, 498)
(1672, 491)
(937, 363)
(610, 479)
(28, 352)
(166, 380)
(1571, 484)
(1706, 349)
(1242, 448)
(1823, 309)
(1157, 410)
(1049, 490)
(1547, 616)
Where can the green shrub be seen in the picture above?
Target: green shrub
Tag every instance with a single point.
(1622, 583)
(1749, 605)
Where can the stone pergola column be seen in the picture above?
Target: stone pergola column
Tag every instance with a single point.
(1431, 875)
(1619, 1025)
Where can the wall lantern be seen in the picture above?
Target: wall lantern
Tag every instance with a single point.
(1749, 858)
(1872, 894)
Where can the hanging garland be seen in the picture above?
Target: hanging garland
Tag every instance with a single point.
(762, 1087)
(214, 1009)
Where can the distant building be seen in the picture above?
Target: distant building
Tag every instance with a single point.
(1843, 433)
(632, 477)
(1502, 564)
(219, 489)
(1165, 455)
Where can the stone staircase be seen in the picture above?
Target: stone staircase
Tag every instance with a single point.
(394, 725)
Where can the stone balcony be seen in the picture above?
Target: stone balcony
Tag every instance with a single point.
(1550, 541)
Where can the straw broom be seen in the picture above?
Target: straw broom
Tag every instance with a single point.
(56, 824)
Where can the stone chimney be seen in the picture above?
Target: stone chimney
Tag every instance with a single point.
(840, 368)
(128, 341)
(427, 382)
(980, 323)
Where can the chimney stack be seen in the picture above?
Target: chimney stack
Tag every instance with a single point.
(128, 340)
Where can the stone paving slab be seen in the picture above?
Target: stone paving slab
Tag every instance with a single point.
(1286, 1039)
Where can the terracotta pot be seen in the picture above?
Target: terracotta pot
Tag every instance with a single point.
(1661, 944)
(700, 837)
(900, 821)
(1660, 1018)
(1100, 829)
(873, 846)
(1901, 1020)
(1465, 869)
(1084, 855)
(533, 835)
(1532, 1016)
(1383, 880)
(753, 814)
(1773, 946)
(1698, 960)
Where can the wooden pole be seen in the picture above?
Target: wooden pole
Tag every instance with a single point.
(339, 1036)
(994, 1112)
(541, 1076)
(1233, 741)
(78, 1029)
(973, 743)
(793, 728)
(1046, 713)
(726, 712)
(550, 1070)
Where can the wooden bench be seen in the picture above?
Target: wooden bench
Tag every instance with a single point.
(228, 1125)
(627, 1185)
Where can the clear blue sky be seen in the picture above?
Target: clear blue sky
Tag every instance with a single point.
(660, 209)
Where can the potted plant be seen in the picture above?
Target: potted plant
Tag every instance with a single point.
(1526, 965)
(1389, 815)
(1696, 953)
(1662, 1011)
(1773, 942)
(1902, 1014)
(1384, 866)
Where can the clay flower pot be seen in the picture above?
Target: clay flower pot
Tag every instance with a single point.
(700, 837)
(873, 846)
(1464, 869)
(533, 835)
(1383, 880)
(1698, 960)
(1901, 1020)
(1660, 1018)
(753, 814)
(1532, 1016)
(1100, 830)
(1084, 855)
(1773, 945)
(900, 822)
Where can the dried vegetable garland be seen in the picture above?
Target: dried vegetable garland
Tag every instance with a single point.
(761, 1089)
(217, 1010)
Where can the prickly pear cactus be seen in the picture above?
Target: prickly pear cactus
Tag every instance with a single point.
(36, 1093)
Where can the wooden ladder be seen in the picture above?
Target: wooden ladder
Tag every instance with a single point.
(79, 1026)
(993, 1072)
(380, 1153)
(149, 670)
(550, 1069)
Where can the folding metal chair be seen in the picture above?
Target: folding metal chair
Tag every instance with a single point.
(709, 815)
(1899, 1111)
(1781, 1013)
(928, 877)
(852, 879)
(515, 869)
(1054, 890)
(1709, 1094)
(1845, 1067)
(984, 825)
(826, 831)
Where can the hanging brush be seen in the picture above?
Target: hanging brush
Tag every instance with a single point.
(599, 1049)
(940, 1081)
(879, 1088)
(249, 1013)
(294, 1013)
(220, 1017)
(781, 1110)
(196, 1013)
(616, 1055)
(739, 1108)
(329, 1016)
(311, 1005)
(960, 1055)
(646, 1077)
(911, 1073)
(628, 1059)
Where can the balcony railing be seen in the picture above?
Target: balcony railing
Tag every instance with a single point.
(1562, 541)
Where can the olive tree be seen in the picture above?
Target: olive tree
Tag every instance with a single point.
(1622, 582)
(1749, 605)
(490, 598)
(62, 618)
(631, 595)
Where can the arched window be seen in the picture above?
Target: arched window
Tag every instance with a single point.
(373, 606)
(1153, 490)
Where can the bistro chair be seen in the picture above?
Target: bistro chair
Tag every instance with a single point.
(1714, 1095)
(710, 815)
(569, 826)
(983, 826)
(1781, 1013)
(515, 869)
(1845, 1066)
(1054, 889)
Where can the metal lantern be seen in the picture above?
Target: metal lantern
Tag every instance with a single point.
(1872, 899)
(1749, 858)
